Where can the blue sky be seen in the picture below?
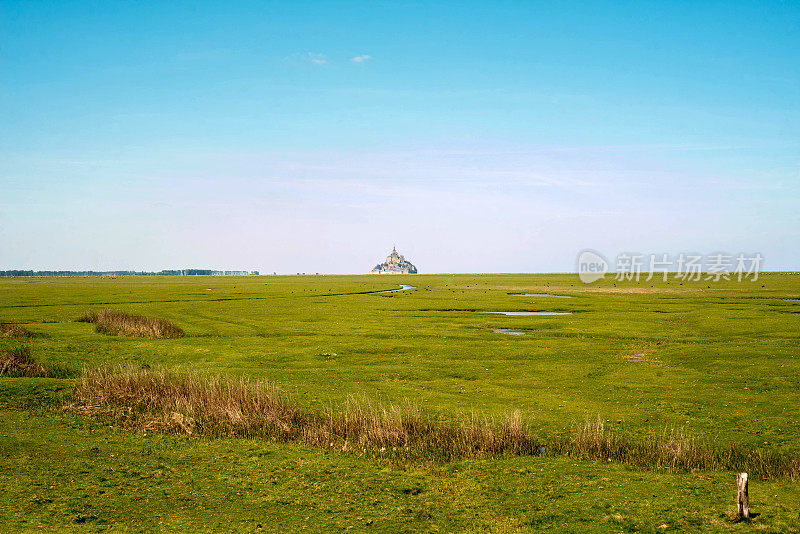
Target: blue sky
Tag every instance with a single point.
(311, 137)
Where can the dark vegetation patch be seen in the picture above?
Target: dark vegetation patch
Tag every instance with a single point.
(15, 331)
(183, 403)
(19, 362)
(117, 323)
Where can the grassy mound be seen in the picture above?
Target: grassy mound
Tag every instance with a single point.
(177, 402)
(18, 362)
(117, 323)
(15, 331)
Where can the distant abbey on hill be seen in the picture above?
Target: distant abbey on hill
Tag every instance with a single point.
(395, 264)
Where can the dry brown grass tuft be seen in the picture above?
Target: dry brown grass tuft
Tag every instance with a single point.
(117, 323)
(15, 331)
(19, 362)
(175, 402)
(179, 402)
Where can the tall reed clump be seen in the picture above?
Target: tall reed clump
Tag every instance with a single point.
(117, 323)
(19, 362)
(179, 402)
(15, 331)
(674, 450)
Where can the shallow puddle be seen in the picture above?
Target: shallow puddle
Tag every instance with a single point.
(791, 300)
(510, 332)
(403, 287)
(639, 358)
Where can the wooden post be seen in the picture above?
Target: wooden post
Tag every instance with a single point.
(742, 499)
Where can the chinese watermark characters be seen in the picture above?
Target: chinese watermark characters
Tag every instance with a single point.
(592, 266)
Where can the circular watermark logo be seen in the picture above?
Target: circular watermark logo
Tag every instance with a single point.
(591, 266)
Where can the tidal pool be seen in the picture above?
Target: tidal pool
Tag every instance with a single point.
(510, 332)
(639, 358)
(403, 287)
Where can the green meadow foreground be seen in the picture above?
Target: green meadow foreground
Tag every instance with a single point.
(718, 361)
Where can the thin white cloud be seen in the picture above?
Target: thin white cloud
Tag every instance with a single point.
(361, 59)
(311, 57)
(317, 59)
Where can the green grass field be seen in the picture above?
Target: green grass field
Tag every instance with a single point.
(718, 360)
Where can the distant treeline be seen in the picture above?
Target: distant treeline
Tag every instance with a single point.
(168, 272)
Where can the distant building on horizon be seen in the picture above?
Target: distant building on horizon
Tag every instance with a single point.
(395, 264)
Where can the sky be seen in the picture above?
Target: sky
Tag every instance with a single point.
(476, 136)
